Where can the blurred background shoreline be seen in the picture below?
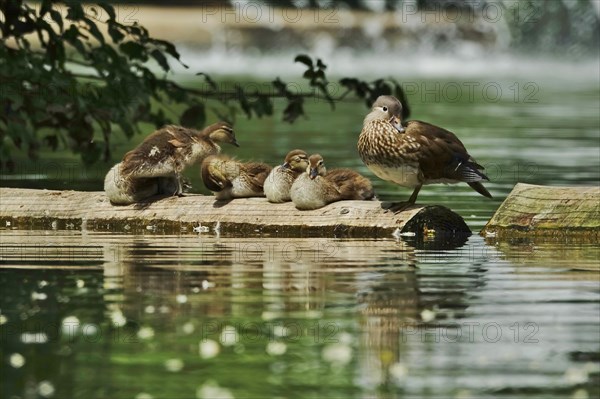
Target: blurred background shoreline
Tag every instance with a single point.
(395, 38)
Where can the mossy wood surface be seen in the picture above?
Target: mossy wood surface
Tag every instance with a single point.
(45, 209)
(531, 210)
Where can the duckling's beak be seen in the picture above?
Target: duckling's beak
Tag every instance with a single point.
(286, 165)
(235, 143)
(395, 121)
(313, 173)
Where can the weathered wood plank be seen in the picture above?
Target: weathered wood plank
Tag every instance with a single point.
(531, 210)
(35, 209)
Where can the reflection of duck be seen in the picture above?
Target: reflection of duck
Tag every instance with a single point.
(317, 188)
(279, 182)
(155, 165)
(416, 154)
(229, 178)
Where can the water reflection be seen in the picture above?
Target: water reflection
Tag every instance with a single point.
(258, 315)
(199, 315)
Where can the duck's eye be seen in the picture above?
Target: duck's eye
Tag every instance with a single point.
(384, 109)
(320, 162)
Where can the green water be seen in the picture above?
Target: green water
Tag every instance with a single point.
(89, 315)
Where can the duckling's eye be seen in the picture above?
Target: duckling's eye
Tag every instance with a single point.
(384, 109)
(320, 162)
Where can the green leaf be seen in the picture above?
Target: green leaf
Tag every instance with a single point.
(241, 96)
(362, 89)
(115, 34)
(170, 49)
(75, 12)
(93, 29)
(176, 93)
(194, 117)
(350, 83)
(57, 18)
(263, 106)
(293, 110)
(323, 88)
(359, 87)
(45, 8)
(280, 86)
(161, 59)
(72, 35)
(110, 10)
(134, 50)
(22, 28)
(305, 59)
(308, 74)
(209, 80)
(56, 52)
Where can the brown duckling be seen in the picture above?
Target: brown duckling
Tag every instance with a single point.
(317, 187)
(416, 154)
(122, 191)
(155, 165)
(278, 183)
(229, 178)
(168, 151)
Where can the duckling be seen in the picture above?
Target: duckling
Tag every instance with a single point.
(155, 165)
(416, 154)
(229, 178)
(278, 183)
(168, 151)
(121, 191)
(317, 187)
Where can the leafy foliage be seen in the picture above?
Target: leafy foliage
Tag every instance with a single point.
(67, 84)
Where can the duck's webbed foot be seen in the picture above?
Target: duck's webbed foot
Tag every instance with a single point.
(396, 207)
(186, 186)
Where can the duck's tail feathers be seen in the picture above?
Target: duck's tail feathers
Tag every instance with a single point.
(477, 186)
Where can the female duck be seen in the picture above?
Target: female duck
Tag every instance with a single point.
(279, 182)
(155, 165)
(317, 187)
(229, 178)
(415, 154)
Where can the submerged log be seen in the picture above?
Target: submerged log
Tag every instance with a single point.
(531, 210)
(45, 209)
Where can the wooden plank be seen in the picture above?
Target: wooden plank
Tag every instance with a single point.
(531, 210)
(45, 209)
